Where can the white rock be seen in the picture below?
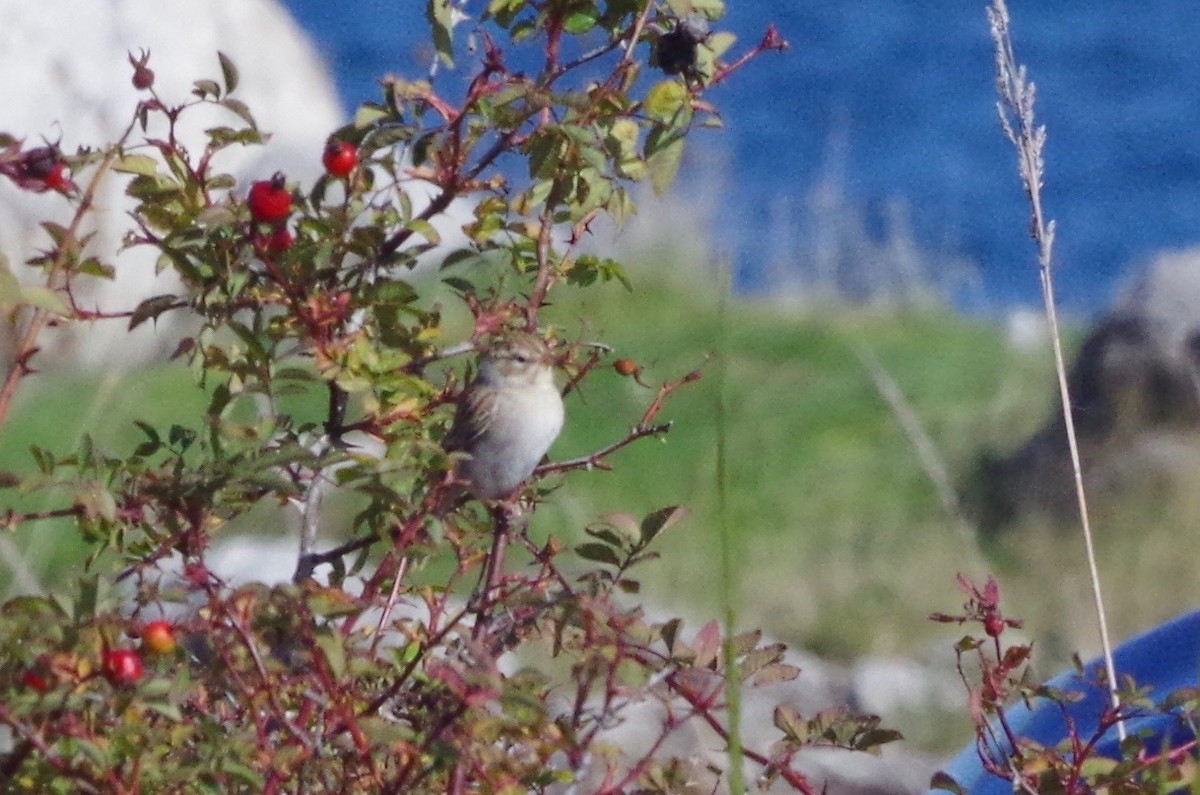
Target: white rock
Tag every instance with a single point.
(67, 80)
(1165, 295)
(1026, 329)
(893, 686)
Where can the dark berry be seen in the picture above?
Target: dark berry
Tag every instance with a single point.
(143, 76)
(676, 49)
(39, 170)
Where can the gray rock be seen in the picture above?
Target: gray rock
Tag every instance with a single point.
(1135, 393)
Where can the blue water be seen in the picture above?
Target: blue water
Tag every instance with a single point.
(908, 86)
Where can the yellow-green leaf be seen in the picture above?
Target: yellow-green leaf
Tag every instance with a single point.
(663, 163)
(44, 298)
(137, 164)
(441, 21)
(10, 288)
(665, 100)
(720, 42)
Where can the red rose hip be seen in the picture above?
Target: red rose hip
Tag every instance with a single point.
(626, 367)
(993, 624)
(36, 680)
(269, 200)
(158, 637)
(340, 158)
(122, 667)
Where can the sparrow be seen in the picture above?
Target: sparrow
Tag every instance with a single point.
(507, 417)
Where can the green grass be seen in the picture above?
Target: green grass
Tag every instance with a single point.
(843, 544)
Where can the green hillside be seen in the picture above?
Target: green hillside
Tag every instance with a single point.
(842, 544)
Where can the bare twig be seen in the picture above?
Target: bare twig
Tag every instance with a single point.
(386, 614)
(596, 460)
(493, 570)
(56, 279)
(771, 41)
(704, 712)
(1015, 109)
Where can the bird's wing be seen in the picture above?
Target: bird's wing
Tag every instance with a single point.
(471, 419)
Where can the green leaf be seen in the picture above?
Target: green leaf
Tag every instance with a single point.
(96, 502)
(368, 114)
(44, 298)
(332, 602)
(243, 112)
(164, 708)
(720, 43)
(441, 21)
(330, 644)
(94, 267)
(151, 308)
(10, 287)
(871, 739)
(545, 153)
(670, 633)
(503, 11)
(791, 723)
(624, 133)
(181, 437)
(152, 443)
(625, 526)
(711, 9)
(665, 100)
(464, 286)
(136, 164)
(58, 233)
(580, 21)
(229, 72)
(459, 256)
(524, 203)
(206, 89)
(598, 553)
(943, 781)
(660, 520)
(43, 458)
(425, 230)
(664, 153)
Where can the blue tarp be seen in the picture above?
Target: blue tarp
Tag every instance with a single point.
(1164, 659)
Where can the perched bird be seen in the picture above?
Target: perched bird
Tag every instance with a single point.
(507, 417)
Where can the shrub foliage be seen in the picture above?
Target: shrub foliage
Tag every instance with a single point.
(408, 658)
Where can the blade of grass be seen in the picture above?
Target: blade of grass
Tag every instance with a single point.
(927, 452)
(1016, 104)
(733, 688)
